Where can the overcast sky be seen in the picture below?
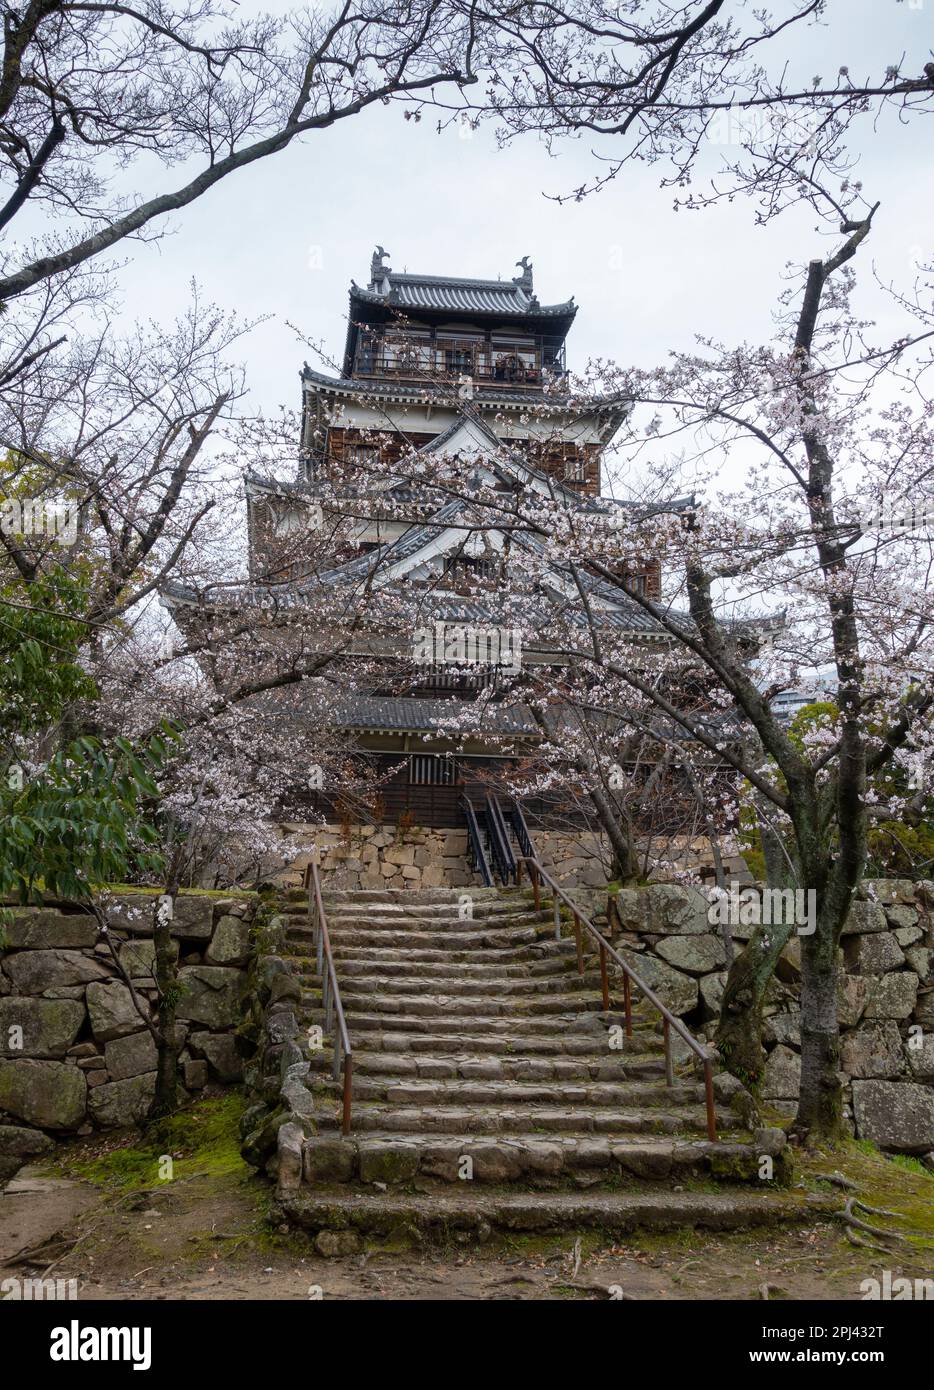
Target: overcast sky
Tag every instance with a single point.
(284, 237)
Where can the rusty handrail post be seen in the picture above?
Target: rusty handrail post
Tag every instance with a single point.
(627, 1004)
(326, 1000)
(604, 979)
(556, 909)
(669, 1065)
(580, 944)
(709, 1097)
(536, 888)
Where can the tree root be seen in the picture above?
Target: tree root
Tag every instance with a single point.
(852, 1221)
(855, 1239)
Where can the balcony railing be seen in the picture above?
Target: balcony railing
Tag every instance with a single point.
(528, 362)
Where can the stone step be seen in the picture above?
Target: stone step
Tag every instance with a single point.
(394, 1159)
(492, 1119)
(421, 1039)
(428, 913)
(442, 1063)
(465, 1005)
(432, 983)
(496, 974)
(476, 1039)
(400, 895)
(505, 958)
(374, 921)
(522, 1093)
(509, 1033)
(511, 937)
(437, 1216)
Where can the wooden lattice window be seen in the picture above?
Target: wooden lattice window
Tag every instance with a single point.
(432, 770)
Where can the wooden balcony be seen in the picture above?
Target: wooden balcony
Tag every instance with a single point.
(430, 357)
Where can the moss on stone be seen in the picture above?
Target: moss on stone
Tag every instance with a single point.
(201, 1140)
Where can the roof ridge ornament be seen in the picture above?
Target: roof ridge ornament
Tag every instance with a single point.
(380, 270)
(524, 281)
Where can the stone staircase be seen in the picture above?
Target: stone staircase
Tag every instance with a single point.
(492, 1090)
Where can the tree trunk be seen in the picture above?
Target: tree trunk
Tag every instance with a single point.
(739, 1028)
(820, 1102)
(619, 834)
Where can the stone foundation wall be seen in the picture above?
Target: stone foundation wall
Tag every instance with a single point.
(383, 856)
(886, 998)
(75, 1053)
(380, 856)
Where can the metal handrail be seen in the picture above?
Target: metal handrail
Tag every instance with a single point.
(499, 841)
(476, 844)
(330, 990)
(521, 831)
(630, 978)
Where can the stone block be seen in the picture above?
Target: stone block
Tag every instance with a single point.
(872, 954)
(193, 918)
(852, 992)
(900, 916)
(698, 955)
(399, 854)
(675, 911)
(112, 1010)
(195, 1074)
(783, 1028)
(43, 928)
(210, 995)
(782, 1078)
(49, 1026)
(51, 1095)
(121, 1103)
(873, 1052)
(711, 993)
(130, 1056)
(888, 890)
(920, 959)
(35, 972)
(24, 1143)
(893, 995)
(329, 1160)
(220, 1052)
(230, 944)
(677, 991)
(895, 1115)
(864, 916)
(388, 1161)
(919, 1051)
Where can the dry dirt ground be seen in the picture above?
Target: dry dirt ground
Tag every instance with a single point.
(100, 1217)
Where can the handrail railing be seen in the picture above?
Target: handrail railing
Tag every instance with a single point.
(521, 831)
(539, 875)
(476, 843)
(500, 847)
(330, 990)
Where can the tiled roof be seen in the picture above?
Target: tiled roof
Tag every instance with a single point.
(393, 714)
(530, 398)
(503, 297)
